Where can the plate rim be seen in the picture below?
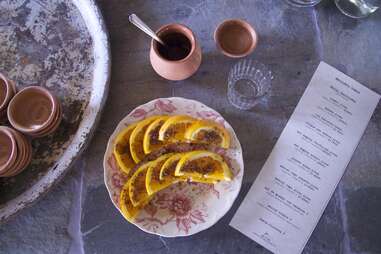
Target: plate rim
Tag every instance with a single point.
(97, 29)
(115, 132)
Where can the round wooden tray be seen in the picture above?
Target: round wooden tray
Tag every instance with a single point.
(61, 45)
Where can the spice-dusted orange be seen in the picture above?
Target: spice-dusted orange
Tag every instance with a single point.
(137, 136)
(203, 164)
(208, 132)
(129, 211)
(153, 182)
(174, 128)
(137, 186)
(121, 149)
(151, 140)
(167, 172)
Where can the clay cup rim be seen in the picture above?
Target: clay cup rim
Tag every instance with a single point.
(221, 30)
(16, 105)
(6, 86)
(13, 153)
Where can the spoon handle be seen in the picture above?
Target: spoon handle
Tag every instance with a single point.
(134, 19)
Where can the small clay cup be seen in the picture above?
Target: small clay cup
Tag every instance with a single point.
(8, 149)
(176, 69)
(21, 154)
(7, 91)
(32, 110)
(52, 127)
(235, 38)
(24, 154)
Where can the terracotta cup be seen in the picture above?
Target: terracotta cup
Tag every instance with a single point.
(170, 67)
(7, 91)
(24, 154)
(8, 149)
(15, 152)
(51, 128)
(235, 38)
(33, 110)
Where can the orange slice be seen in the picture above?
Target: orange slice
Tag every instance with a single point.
(122, 149)
(128, 210)
(151, 140)
(174, 128)
(137, 186)
(208, 132)
(167, 173)
(153, 182)
(137, 136)
(203, 164)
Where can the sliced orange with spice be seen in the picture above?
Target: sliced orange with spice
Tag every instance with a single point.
(137, 186)
(203, 164)
(167, 172)
(208, 132)
(153, 182)
(121, 149)
(151, 140)
(129, 211)
(137, 136)
(174, 128)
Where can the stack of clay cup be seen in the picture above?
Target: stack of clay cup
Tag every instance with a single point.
(7, 91)
(15, 152)
(33, 112)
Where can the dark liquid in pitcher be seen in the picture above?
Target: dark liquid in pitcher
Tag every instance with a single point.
(177, 46)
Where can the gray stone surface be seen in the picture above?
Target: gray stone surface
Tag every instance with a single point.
(78, 217)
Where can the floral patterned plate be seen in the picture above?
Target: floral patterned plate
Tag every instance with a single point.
(184, 208)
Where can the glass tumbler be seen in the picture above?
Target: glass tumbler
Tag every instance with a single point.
(303, 3)
(248, 82)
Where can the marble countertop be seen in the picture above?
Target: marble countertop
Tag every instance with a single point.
(77, 216)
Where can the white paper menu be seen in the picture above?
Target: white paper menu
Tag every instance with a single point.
(299, 177)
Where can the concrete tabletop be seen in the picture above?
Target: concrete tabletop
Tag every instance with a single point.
(77, 216)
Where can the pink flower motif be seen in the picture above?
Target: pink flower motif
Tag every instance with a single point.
(117, 180)
(221, 151)
(181, 209)
(112, 163)
(151, 209)
(183, 224)
(207, 115)
(180, 206)
(152, 224)
(165, 106)
(139, 112)
(197, 215)
(117, 177)
(214, 191)
(162, 200)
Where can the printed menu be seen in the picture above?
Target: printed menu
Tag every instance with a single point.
(299, 177)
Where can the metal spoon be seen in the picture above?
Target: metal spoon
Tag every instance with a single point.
(355, 8)
(134, 19)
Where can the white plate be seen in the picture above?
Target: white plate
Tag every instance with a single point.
(184, 208)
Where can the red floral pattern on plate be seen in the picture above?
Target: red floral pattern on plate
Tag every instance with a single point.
(139, 112)
(165, 106)
(184, 208)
